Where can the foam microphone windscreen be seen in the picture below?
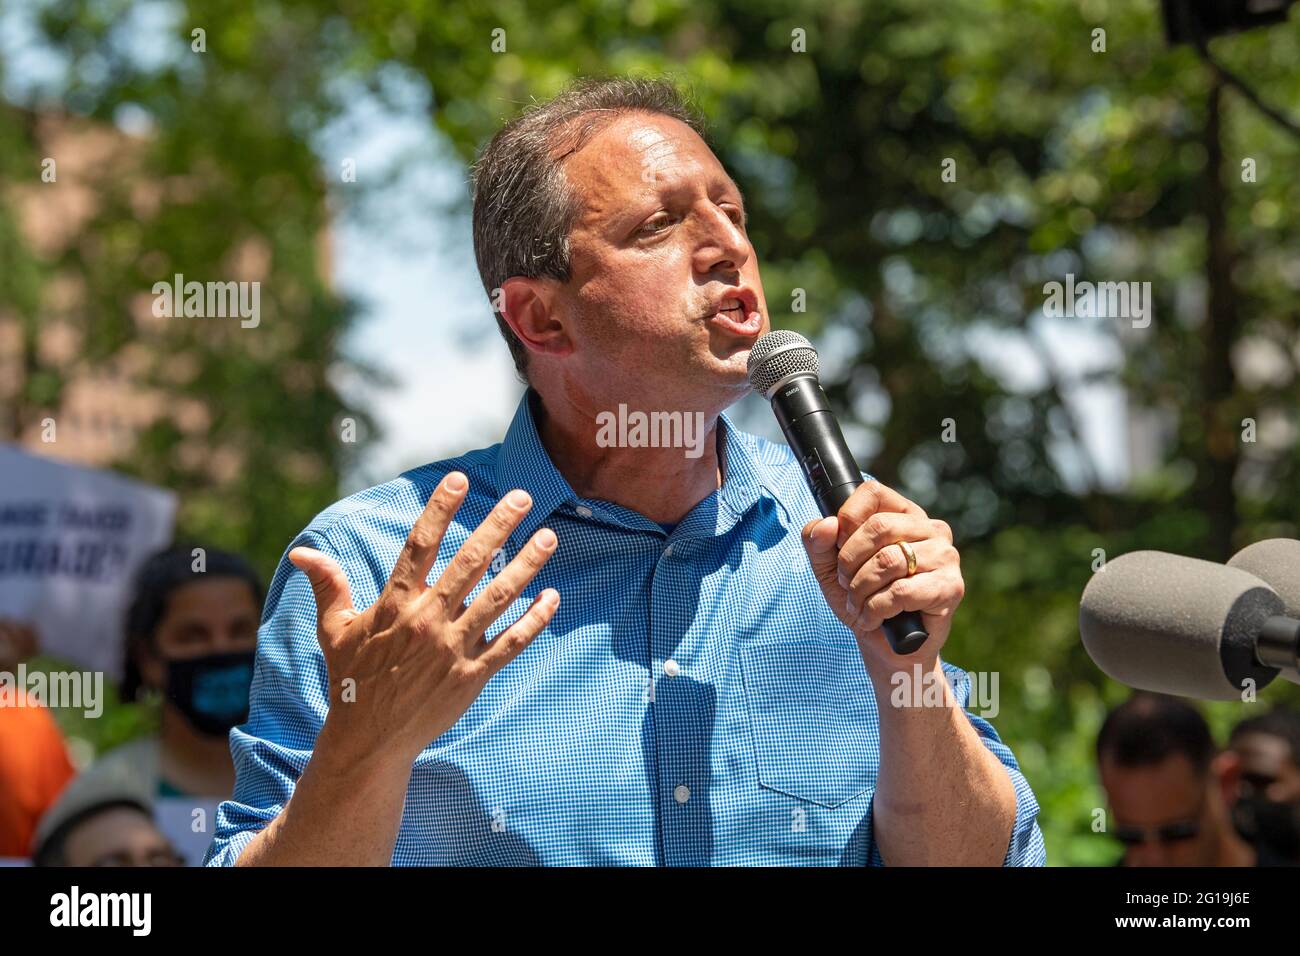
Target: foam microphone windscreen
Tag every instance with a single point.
(1276, 562)
(1176, 625)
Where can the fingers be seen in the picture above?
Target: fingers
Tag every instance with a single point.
(868, 499)
(476, 553)
(819, 543)
(421, 548)
(328, 582)
(931, 593)
(880, 530)
(506, 646)
(889, 564)
(507, 585)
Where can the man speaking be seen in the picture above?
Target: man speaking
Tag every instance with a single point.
(567, 649)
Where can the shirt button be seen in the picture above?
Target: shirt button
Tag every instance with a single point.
(682, 793)
(583, 511)
(668, 551)
(672, 668)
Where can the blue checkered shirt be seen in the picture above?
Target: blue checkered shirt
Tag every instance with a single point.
(693, 702)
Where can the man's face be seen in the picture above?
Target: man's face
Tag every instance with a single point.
(1267, 767)
(118, 836)
(1169, 806)
(664, 296)
(1268, 793)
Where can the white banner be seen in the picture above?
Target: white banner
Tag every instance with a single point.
(71, 541)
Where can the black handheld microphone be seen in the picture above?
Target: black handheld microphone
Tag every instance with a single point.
(783, 368)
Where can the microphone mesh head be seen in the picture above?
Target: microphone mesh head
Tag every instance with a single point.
(776, 355)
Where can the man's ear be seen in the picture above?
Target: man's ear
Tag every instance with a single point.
(1226, 767)
(528, 308)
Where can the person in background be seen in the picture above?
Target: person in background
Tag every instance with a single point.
(1168, 799)
(1266, 769)
(191, 631)
(106, 830)
(34, 764)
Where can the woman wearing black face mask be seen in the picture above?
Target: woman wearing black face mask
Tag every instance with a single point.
(191, 636)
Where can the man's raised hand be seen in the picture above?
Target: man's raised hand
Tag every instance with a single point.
(417, 657)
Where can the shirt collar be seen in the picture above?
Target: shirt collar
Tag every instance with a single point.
(744, 475)
(523, 462)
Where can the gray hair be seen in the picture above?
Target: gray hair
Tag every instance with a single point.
(523, 206)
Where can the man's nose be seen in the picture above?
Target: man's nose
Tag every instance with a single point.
(723, 246)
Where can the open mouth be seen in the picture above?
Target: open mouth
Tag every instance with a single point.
(738, 318)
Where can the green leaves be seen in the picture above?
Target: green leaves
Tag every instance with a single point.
(913, 177)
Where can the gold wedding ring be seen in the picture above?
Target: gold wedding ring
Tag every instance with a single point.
(910, 555)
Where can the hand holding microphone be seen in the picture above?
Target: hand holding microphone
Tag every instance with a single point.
(863, 571)
(882, 563)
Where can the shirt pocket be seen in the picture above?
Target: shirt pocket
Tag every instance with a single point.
(812, 714)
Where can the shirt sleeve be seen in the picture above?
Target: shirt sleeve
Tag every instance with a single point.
(1026, 846)
(288, 700)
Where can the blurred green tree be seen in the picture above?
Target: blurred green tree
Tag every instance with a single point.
(915, 174)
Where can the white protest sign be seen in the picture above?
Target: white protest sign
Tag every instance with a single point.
(71, 541)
